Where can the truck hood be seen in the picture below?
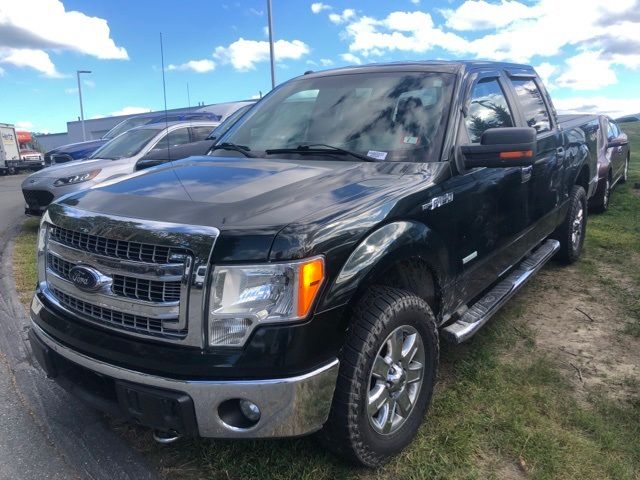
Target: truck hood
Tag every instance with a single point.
(249, 197)
(80, 149)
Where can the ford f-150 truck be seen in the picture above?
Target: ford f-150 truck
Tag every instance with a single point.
(299, 278)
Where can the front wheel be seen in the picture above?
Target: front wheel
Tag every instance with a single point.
(387, 374)
(573, 229)
(625, 173)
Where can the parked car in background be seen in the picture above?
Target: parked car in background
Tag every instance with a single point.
(116, 158)
(158, 156)
(82, 150)
(614, 155)
(300, 276)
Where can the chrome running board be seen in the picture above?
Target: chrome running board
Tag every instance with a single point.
(481, 311)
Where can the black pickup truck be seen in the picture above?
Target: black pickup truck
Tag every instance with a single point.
(299, 278)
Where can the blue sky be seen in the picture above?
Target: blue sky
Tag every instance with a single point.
(219, 48)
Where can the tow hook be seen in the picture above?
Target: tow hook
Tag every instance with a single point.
(165, 438)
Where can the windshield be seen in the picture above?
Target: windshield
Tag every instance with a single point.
(396, 116)
(126, 145)
(228, 123)
(125, 125)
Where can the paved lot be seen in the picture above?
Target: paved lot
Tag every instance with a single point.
(45, 433)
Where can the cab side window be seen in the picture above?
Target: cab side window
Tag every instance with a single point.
(175, 138)
(488, 109)
(200, 133)
(532, 105)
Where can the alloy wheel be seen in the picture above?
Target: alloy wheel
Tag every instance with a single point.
(395, 380)
(577, 228)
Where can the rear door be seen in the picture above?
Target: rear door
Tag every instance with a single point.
(545, 185)
(618, 152)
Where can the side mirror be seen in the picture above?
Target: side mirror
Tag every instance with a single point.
(616, 142)
(153, 158)
(502, 147)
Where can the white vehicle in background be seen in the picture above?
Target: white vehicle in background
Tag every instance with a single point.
(9, 149)
(116, 158)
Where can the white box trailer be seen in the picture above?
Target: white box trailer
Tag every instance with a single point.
(9, 149)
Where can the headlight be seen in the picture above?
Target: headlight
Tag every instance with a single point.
(244, 296)
(79, 178)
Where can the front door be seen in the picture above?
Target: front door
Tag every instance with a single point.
(489, 203)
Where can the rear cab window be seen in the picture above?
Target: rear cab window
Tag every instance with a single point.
(532, 105)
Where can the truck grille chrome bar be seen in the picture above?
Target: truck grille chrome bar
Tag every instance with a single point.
(122, 320)
(114, 248)
(146, 283)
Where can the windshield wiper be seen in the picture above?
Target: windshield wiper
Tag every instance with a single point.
(243, 149)
(327, 149)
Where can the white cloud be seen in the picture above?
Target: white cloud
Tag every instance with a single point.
(244, 54)
(546, 72)
(24, 124)
(257, 13)
(587, 71)
(130, 111)
(346, 14)
(481, 15)
(265, 31)
(403, 31)
(198, 66)
(325, 62)
(71, 91)
(29, 28)
(1, 71)
(317, 7)
(415, 2)
(29, 58)
(614, 107)
(351, 58)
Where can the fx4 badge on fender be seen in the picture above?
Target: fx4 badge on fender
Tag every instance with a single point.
(436, 202)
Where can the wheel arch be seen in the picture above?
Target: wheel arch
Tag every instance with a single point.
(401, 254)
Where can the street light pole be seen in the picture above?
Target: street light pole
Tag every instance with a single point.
(78, 72)
(273, 71)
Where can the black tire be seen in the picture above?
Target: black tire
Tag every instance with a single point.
(349, 431)
(601, 204)
(625, 173)
(570, 245)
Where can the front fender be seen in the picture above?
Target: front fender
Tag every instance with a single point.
(391, 243)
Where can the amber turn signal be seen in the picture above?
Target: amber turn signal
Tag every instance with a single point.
(518, 154)
(310, 279)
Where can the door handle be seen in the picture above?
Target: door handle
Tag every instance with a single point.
(525, 173)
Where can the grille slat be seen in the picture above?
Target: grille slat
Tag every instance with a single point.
(115, 318)
(130, 287)
(122, 249)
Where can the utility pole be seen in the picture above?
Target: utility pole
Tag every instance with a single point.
(273, 71)
(78, 72)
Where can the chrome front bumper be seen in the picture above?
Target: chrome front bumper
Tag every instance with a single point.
(289, 407)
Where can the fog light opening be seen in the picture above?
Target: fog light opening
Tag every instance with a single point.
(239, 413)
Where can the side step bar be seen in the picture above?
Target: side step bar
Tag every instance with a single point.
(481, 311)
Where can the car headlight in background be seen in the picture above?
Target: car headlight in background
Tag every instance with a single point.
(243, 296)
(79, 178)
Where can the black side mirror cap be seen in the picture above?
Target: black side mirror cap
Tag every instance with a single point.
(502, 147)
(144, 163)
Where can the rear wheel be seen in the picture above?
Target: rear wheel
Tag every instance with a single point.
(387, 374)
(572, 231)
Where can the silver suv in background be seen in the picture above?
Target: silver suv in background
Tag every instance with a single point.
(114, 159)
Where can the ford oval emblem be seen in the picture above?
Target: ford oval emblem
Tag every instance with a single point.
(85, 278)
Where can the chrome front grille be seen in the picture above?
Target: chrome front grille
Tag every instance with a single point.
(115, 248)
(124, 286)
(121, 320)
(147, 290)
(146, 282)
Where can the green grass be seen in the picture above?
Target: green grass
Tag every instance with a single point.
(502, 409)
(24, 264)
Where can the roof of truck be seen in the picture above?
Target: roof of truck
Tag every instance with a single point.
(446, 66)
